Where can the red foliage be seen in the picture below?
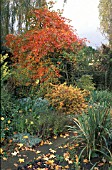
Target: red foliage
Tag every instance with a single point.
(49, 32)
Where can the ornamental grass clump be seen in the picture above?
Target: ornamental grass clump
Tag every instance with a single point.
(67, 99)
(94, 130)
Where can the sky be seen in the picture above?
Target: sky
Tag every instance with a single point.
(85, 19)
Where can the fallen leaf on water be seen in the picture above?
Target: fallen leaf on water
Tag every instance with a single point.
(51, 150)
(21, 160)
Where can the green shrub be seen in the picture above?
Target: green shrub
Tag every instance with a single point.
(85, 82)
(94, 130)
(36, 117)
(43, 125)
(51, 123)
(8, 106)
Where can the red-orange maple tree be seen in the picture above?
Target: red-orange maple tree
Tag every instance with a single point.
(49, 33)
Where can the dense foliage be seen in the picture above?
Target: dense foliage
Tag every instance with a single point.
(68, 100)
(34, 50)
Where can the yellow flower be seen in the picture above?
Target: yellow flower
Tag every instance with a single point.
(31, 123)
(20, 111)
(9, 121)
(25, 137)
(2, 118)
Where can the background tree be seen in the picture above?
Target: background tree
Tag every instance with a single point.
(105, 14)
(14, 15)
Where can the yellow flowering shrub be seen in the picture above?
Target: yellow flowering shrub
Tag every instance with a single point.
(67, 99)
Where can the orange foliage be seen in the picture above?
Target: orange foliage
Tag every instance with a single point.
(48, 33)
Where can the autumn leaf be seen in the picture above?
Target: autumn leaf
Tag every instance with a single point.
(50, 162)
(66, 156)
(51, 150)
(42, 143)
(85, 160)
(15, 164)
(20, 145)
(60, 147)
(55, 137)
(75, 145)
(1, 151)
(46, 158)
(65, 146)
(4, 158)
(29, 166)
(58, 167)
(38, 152)
(52, 156)
(21, 160)
(71, 147)
(76, 159)
(14, 153)
(48, 142)
(70, 161)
